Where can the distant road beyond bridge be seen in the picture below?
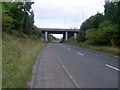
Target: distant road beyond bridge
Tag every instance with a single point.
(65, 32)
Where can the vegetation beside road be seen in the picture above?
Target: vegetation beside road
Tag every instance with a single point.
(102, 29)
(22, 41)
(0, 64)
(19, 55)
(101, 32)
(105, 49)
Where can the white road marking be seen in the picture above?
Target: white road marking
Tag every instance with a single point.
(68, 49)
(66, 71)
(112, 67)
(80, 53)
(70, 76)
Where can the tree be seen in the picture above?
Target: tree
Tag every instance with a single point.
(28, 18)
(18, 16)
(109, 11)
(92, 22)
(7, 20)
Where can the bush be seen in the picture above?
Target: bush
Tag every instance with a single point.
(107, 34)
(36, 32)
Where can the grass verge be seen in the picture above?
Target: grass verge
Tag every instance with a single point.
(105, 49)
(0, 65)
(18, 57)
(0, 56)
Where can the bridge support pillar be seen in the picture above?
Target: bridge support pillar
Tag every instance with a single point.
(75, 36)
(46, 36)
(66, 35)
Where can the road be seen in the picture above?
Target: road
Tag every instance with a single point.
(66, 66)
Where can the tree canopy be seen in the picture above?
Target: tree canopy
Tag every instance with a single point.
(102, 29)
(18, 16)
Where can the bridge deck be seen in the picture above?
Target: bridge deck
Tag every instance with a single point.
(58, 29)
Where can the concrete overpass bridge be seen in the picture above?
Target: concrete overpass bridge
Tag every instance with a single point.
(65, 32)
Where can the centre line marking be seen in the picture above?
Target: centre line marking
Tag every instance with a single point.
(112, 67)
(68, 49)
(80, 53)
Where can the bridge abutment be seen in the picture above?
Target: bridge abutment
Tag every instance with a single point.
(66, 35)
(46, 36)
(75, 36)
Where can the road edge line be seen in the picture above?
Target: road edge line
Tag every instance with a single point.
(65, 69)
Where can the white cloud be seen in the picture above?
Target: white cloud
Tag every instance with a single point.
(75, 11)
(52, 25)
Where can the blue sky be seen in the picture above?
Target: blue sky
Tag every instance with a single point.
(65, 13)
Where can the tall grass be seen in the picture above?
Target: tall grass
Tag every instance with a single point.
(0, 65)
(0, 59)
(105, 49)
(18, 57)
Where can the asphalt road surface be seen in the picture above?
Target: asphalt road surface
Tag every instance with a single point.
(66, 66)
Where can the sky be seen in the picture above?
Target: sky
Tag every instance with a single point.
(64, 13)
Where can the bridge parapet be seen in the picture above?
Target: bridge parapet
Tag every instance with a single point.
(58, 29)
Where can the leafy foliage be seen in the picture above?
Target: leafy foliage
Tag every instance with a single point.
(102, 29)
(92, 22)
(18, 16)
(36, 33)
